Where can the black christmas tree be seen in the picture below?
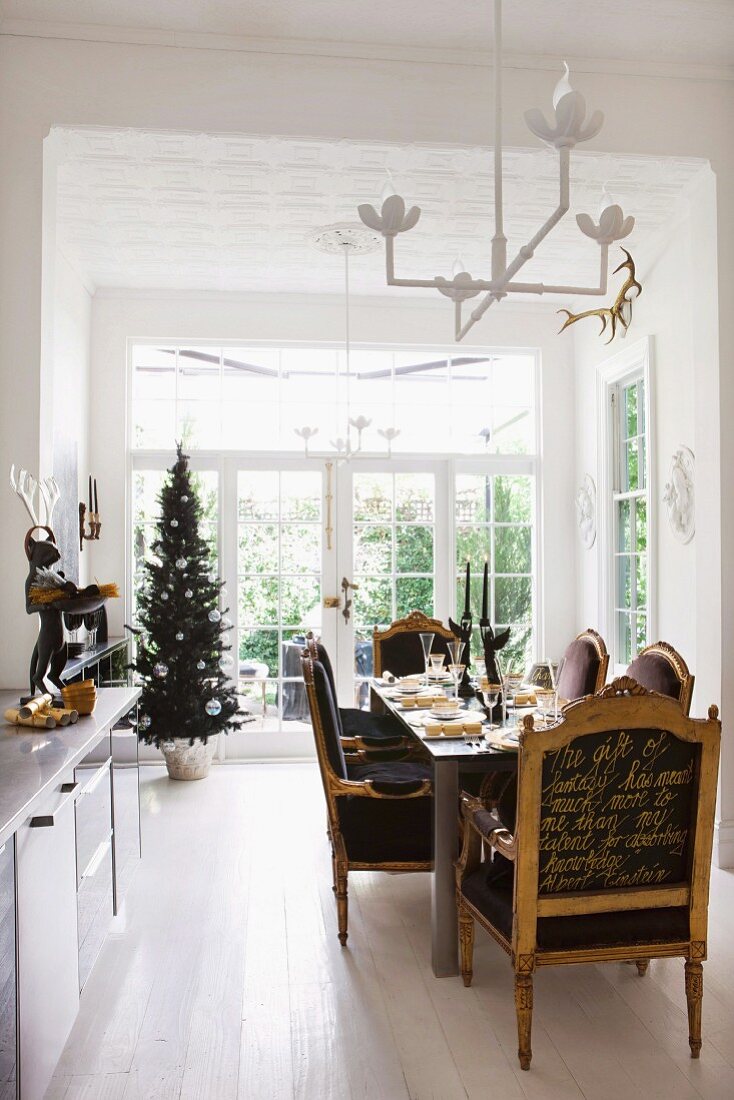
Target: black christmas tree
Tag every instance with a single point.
(182, 655)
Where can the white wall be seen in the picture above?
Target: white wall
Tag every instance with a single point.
(118, 317)
(45, 81)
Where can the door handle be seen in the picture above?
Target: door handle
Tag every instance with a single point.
(346, 586)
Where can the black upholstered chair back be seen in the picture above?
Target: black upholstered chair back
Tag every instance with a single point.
(398, 649)
(583, 667)
(661, 668)
(324, 717)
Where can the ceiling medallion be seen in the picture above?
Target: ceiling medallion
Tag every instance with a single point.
(568, 127)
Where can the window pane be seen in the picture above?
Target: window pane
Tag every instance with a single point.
(259, 646)
(630, 474)
(300, 599)
(474, 543)
(516, 656)
(414, 594)
(154, 373)
(624, 536)
(250, 374)
(373, 497)
(199, 374)
(258, 601)
(624, 581)
(300, 548)
(512, 500)
(414, 495)
(373, 601)
(154, 424)
(641, 632)
(414, 549)
(300, 493)
(475, 593)
(513, 599)
(641, 525)
(512, 553)
(258, 548)
(624, 637)
(473, 499)
(630, 395)
(372, 550)
(641, 563)
(258, 495)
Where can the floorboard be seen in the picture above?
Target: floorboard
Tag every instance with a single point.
(223, 979)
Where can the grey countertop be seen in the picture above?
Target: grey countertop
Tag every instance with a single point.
(31, 760)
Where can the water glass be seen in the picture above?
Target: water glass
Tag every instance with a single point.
(457, 671)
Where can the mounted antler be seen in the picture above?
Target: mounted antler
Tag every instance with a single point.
(25, 486)
(615, 312)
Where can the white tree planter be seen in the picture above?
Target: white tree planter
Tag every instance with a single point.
(185, 761)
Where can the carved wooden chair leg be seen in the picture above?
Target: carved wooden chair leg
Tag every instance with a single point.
(694, 997)
(341, 901)
(524, 1010)
(466, 942)
(642, 965)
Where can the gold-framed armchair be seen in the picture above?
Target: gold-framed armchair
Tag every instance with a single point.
(379, 812)
(611, 856)
(398, 648)
(659, 667)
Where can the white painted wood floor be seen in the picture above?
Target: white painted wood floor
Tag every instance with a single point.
(223, 978)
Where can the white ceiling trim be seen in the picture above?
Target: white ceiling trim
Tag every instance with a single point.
(141, 36)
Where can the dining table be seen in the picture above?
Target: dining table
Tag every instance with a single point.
(452, 758)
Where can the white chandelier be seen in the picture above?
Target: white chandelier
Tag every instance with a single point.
(569, 126)
(347, 239)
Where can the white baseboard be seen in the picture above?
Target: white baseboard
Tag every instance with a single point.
(724, 844)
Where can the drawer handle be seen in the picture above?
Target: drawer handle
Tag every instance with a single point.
(46, 821)
(97, 778)
(99, 854)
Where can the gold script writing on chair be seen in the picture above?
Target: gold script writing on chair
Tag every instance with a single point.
(605, 804)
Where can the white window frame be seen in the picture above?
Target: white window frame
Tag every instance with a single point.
(635, 361)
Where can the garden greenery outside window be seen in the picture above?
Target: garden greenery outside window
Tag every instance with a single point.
(462, 483)
(630, 489)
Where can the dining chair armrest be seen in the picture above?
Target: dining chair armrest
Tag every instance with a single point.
(489, 827)
(370, 788)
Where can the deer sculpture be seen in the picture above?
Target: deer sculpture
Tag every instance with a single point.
(614, 314)
(49, 652)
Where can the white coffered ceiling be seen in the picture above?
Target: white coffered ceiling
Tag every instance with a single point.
(234, 212)
(686, 31)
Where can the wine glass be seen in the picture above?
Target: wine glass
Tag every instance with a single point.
(491, 696)
(545, 702)
(437, 660)
(554, 685)
(457, 671)
(426, 643)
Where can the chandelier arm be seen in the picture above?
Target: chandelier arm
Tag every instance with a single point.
(431, 284)
(547, 288)
(477, 314)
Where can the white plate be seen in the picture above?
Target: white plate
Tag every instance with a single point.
(449, 716)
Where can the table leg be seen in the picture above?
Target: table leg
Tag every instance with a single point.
(444, 922)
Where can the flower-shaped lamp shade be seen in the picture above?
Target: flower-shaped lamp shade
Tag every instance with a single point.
(569, 127)
(392, 218)
(612, 225)
(459, 288)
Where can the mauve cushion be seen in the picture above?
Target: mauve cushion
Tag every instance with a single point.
(579, 670)
(655, 673)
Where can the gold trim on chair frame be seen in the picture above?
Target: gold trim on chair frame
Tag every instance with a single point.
(634, 708)
(413, 623)
(335, 787)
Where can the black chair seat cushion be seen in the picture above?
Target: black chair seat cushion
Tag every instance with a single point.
(490, 891)
(390, 830)
(372, 727)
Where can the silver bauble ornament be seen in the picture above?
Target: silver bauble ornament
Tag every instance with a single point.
(160, 670)
(181, 563)
(226, 662)
(213, 707)
(214, 616)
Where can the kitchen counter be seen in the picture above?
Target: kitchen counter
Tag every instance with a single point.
(31, 760)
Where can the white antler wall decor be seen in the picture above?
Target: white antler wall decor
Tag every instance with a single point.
(25, 486)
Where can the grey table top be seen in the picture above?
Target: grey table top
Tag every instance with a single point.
(451, 748)
(32, 760)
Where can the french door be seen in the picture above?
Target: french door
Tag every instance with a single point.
(392, 547)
